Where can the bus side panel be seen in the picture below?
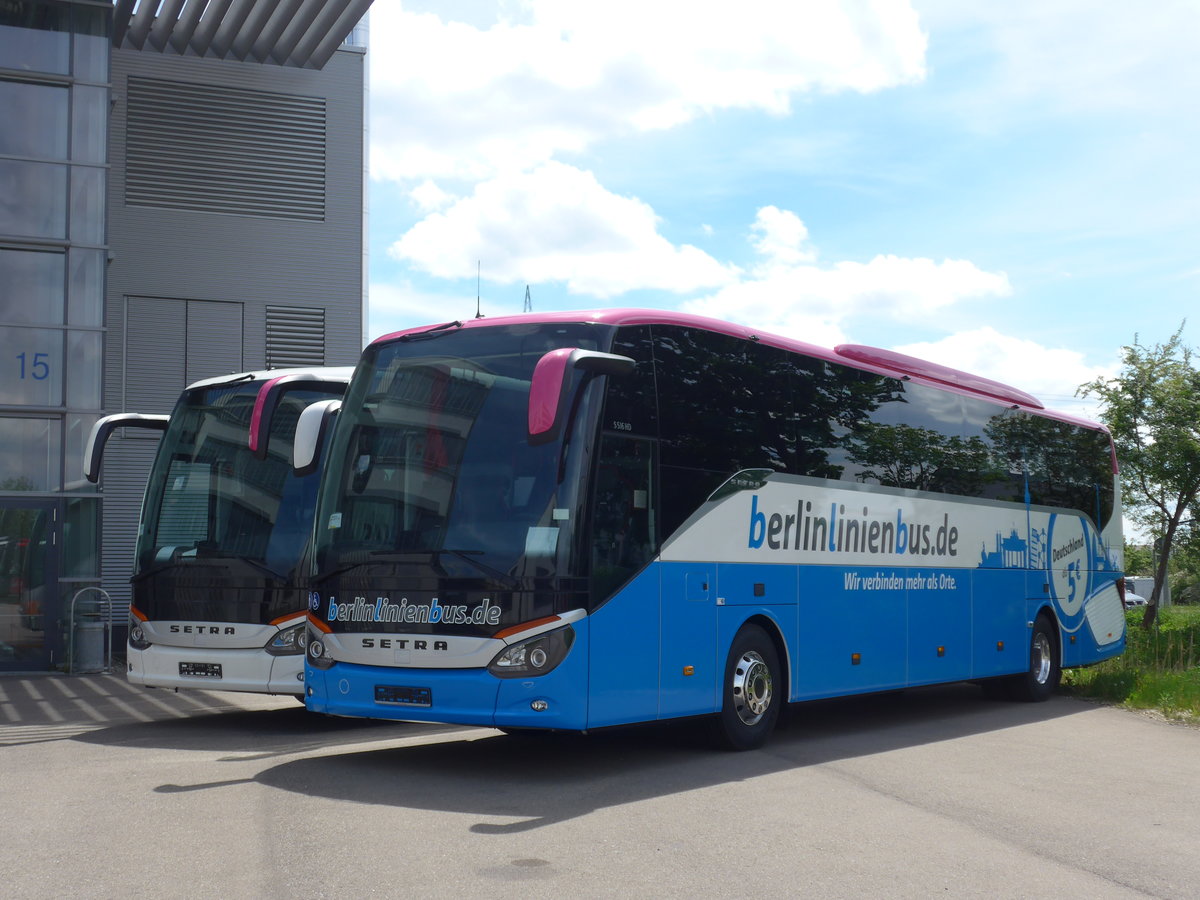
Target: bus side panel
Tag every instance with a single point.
(939, 626)
(691, 667)
(623, 661)
(745, 590)
(1000, 630)
(851, 640)
(762, 584)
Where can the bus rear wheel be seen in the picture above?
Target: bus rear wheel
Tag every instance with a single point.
(750, 692)
(1041, 679)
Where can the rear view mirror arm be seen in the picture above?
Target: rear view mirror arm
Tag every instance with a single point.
(104, 427)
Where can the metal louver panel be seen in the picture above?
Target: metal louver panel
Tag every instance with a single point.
(225, 150)
(295, 336)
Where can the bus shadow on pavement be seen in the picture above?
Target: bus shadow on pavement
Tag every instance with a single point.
(527, 782)
(256, 734)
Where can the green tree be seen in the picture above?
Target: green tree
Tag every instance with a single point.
(1152, 408)
(1139, 559)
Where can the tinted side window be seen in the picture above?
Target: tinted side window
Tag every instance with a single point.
(1062, 464)
(630, 401)
(725, 405)
(724, 402)
(918, 439)
(623, 526)
(1002, 432)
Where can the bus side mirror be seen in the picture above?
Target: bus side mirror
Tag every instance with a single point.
(312, 430)
(549, 396)
(106, 426)
(271, 394)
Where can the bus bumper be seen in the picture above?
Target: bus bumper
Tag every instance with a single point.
(556, 700)
(253, 670)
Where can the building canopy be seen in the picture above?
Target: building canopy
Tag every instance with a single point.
(297, 33)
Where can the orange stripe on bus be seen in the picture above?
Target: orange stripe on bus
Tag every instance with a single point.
(525, 626)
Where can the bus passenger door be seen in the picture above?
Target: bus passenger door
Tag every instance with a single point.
(624, 629)
(690, 676)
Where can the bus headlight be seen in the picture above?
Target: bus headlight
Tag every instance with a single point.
(137, 637)
(535, 656)
(318, 655)
(289, 642)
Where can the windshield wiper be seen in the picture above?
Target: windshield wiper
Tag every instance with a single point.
(465, 556)
(430, 332)
(193, 559)
(374, 557)
(366, 558)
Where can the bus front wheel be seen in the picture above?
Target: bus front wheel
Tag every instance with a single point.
(1041, 679)
(751, 692)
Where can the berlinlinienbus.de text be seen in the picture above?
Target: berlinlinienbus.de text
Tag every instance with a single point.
(843, 532)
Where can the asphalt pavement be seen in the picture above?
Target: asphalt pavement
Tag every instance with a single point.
(53, 706)
(111, 790)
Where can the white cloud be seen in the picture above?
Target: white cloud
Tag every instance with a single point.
(556, 224)
(1051, 374)
(788, 293)
(428, 197)
(459, 100)
(781, 238)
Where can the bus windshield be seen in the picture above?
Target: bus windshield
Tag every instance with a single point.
(431, 461)
(209, 498)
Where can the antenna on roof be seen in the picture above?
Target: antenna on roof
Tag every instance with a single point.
(528, 300)
(478, 310)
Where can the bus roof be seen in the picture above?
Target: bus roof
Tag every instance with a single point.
(871, 359)
(325, 373)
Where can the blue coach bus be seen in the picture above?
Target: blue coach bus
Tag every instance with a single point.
(579, 520)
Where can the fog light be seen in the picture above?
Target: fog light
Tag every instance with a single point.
(539, 706)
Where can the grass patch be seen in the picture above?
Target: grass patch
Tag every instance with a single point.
(1160, 668)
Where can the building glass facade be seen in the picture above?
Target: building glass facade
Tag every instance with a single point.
(120, 282)
(54, 102)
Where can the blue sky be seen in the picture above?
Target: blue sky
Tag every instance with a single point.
(1012, 189)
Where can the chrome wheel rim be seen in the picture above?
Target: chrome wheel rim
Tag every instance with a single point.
(1040, 659)
(752, 687)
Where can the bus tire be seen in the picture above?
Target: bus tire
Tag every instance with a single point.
(1041, 679)
(750, 692)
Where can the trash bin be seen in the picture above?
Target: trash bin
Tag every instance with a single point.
(87, 640)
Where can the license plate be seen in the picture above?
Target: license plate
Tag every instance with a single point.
(394, 695)
(200, 670)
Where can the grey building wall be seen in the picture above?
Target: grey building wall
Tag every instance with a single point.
(235, 198)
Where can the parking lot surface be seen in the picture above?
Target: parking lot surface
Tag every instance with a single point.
(111, 790)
